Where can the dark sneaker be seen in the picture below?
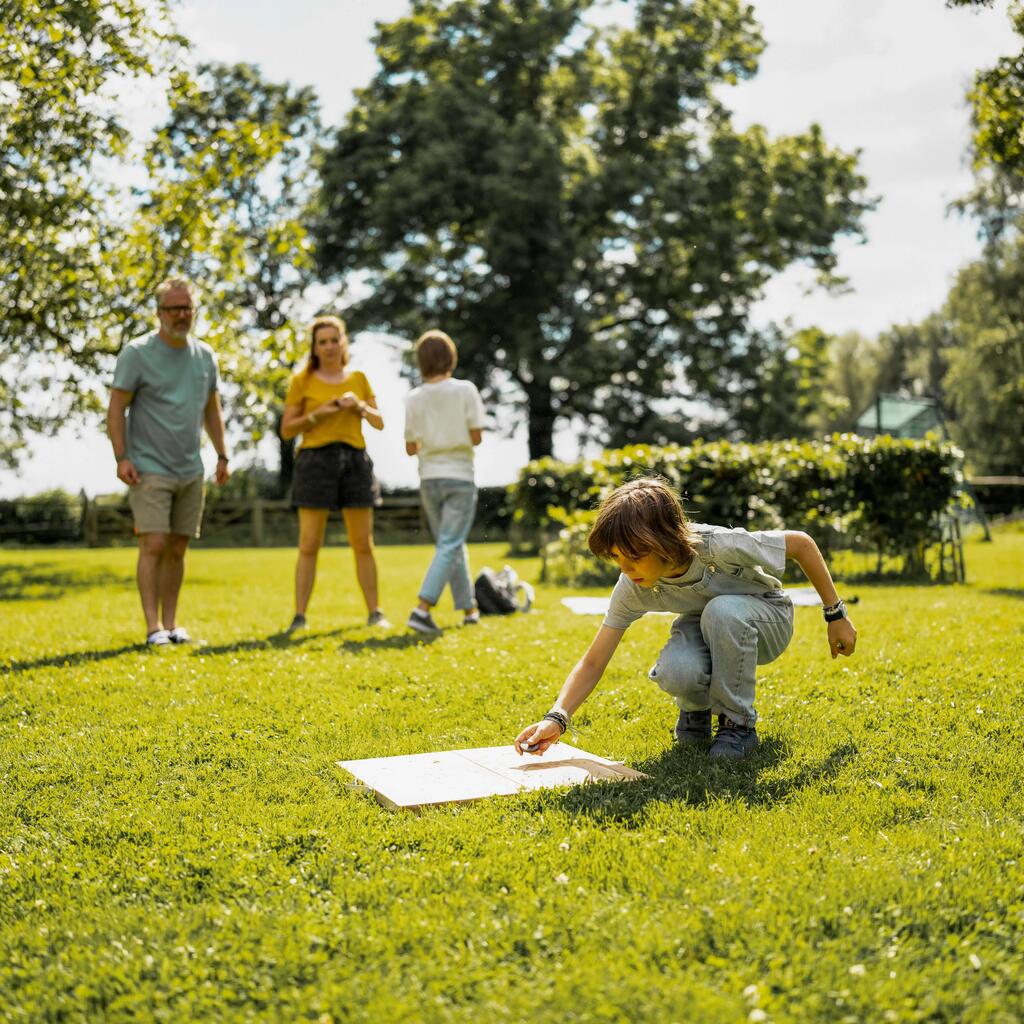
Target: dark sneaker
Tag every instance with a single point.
(693, 728)
(299, 622)
(422, 622)
(732, 742)
(379, 619)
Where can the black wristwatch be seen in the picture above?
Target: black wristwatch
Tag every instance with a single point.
(835, 612)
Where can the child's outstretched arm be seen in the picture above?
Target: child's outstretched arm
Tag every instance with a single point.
(581, 681)
(842, 637)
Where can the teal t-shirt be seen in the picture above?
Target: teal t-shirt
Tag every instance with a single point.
(170, 388)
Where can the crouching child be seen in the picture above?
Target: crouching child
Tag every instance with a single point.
(733, 615)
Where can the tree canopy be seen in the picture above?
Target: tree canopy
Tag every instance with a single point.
(60, 65)
(574, 205)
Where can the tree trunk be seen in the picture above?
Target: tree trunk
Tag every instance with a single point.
(541, 425)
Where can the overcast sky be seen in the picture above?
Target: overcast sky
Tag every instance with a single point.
(888, 78)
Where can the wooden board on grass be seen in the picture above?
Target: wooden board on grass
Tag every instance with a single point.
(413, 781)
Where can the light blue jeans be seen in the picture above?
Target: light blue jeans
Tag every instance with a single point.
(711, 661)
(450, 506)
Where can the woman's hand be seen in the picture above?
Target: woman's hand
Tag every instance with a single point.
(348, 401)
(544, 733)
(321, 412)
(842, 638)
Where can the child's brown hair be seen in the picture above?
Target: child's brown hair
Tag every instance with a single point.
(436, 354)
(643, 517)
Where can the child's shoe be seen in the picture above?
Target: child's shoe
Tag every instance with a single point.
(297, 624)
(422, 622)
(378, 619)
(693, 728)
(471, 618)
(732, 741)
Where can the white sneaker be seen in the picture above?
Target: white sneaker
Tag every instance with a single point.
(378, 618)
(422, 622)
(179, 635)
(158, 638)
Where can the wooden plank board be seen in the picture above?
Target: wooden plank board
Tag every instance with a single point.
(413, 781)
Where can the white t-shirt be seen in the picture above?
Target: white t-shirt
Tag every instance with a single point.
(439, 417)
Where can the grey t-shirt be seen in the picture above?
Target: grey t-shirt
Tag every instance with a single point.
(170, 388)
(725, 562)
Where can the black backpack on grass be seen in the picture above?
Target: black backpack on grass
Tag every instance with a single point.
(501, 593)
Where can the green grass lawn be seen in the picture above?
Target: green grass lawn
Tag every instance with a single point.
(177, 844)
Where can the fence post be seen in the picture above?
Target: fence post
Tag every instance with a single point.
(257, 523)
(90, 522)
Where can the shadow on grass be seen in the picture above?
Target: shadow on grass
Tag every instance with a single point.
(46, 581)
(687, 776)
(280, 641)
(1007, 592)
(401, 642)
(70, 659)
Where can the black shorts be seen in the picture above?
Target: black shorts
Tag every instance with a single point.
(334, 476)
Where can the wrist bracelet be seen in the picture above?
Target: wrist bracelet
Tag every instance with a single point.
(835, 612)
(121, 457)
(221, 457)
(561, 720)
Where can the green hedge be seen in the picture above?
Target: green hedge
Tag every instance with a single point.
(882, 495)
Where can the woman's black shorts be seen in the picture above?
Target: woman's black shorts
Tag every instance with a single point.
(334, 476)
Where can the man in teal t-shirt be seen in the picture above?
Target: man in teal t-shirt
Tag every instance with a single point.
(167, 384)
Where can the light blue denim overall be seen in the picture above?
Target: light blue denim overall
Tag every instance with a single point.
(733, 616)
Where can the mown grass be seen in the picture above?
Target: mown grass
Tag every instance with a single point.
(177, 844)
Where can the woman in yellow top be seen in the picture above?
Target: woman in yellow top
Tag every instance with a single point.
(327, 404)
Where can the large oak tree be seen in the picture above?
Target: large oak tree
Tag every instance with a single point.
(574, 205)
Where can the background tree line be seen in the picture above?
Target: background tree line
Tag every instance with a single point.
(573, 203)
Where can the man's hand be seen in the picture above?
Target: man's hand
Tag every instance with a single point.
(127, 473)
(842, 638)
(222, 472)
(544, 734)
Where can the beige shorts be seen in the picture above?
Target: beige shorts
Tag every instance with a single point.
(165, 504)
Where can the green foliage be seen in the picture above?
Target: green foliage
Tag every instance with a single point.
(179, 845)
(60, 64)
(985, 381)
(574, 205)
(879, 494)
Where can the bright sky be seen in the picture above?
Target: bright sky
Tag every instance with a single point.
(887, 78)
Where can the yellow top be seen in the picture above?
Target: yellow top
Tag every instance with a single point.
(308, 391)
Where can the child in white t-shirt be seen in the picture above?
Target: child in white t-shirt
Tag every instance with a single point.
(444, 421)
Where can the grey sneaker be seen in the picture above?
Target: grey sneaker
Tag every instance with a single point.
(693, 728)
(379, 619)
(422, 622)
(299, 622)
(732, 741)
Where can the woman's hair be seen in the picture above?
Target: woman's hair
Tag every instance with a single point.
(435, 353)
(313, 363)
(643, 517)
